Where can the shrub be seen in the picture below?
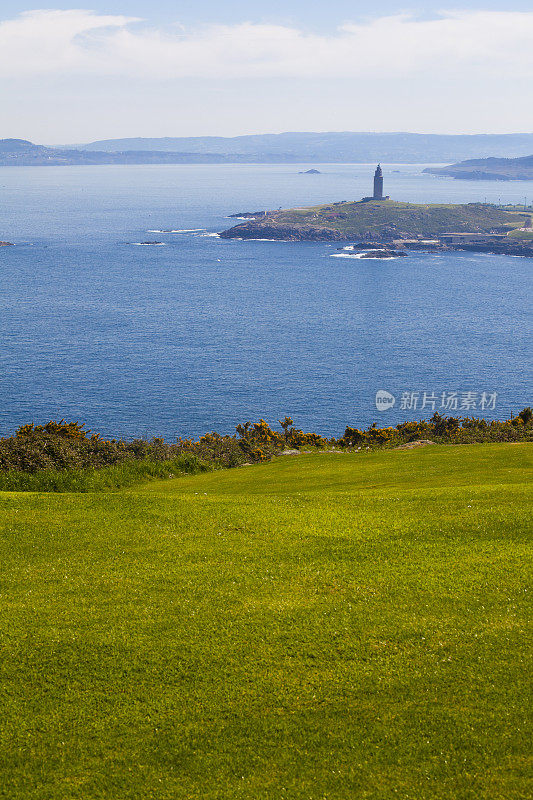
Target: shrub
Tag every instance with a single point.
(50, 451)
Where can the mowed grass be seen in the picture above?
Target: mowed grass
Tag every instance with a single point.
(323, 626)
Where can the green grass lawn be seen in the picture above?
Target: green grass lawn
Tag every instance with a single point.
(518, 234)
(331, 626)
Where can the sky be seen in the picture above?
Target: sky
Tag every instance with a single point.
(72, 74)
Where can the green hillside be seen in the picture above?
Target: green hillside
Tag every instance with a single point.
(380, 219)
(489, 169)
(336, 625)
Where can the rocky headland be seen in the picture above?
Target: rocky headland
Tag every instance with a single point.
(385, 223)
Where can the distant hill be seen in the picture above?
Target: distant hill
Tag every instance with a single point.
(21, 153)
(337, 147)
(285, 148)
(489, 169)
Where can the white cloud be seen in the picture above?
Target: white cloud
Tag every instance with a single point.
(40, 42)
(85, 43)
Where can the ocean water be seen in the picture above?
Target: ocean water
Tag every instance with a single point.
(200, 333)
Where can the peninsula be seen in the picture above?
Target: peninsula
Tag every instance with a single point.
(488, 169)
(378, 219)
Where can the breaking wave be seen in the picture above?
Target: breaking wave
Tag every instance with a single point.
(361, 255)
(179, 230)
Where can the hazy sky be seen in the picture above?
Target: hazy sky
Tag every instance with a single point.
(132, 68)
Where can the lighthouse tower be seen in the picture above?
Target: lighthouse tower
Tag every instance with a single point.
(378, 183)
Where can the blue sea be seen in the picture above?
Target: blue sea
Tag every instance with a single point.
(200, 333)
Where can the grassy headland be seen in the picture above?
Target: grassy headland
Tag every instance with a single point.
(333, 625)
(488, 169)
(379, 219)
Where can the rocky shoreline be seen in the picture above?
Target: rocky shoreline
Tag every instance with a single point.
(524, 248)
(289, 233)
(264, 225)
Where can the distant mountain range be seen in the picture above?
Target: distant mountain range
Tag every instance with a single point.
(410, 148)
(21, 153)
(489, 169)
(288, 148)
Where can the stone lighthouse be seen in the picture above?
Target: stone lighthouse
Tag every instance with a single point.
(378, 183)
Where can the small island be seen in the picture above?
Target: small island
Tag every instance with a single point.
(385, 222)
(6, 244)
